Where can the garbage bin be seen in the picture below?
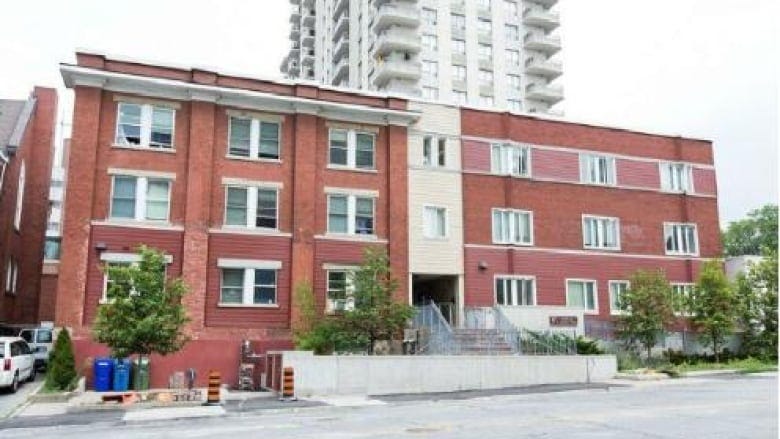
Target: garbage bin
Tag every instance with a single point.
(103, 368)
(141, 373)
(122, 368)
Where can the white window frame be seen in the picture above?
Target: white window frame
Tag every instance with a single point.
(434, 149)
(254, 139)
(676, 229)
(503, 164)
(511, 33)
(513, 57)
(514, 105)
(458, 44)
(458, 72)
(595, 309)
(514, 82)
(352, 150)
(430, 70)
(430, 42)
(251, 206)
(430, 93)
(351, 213)
(672, 180)
(11, 275)
(430, 16)
(141, 185)
(248, 293)
(427, 227)
(514, 214)
(512, 278)
(590, 172)
(461, 97)
(687, 292)
(600, 231)
(612, 309)
(349, 302)
(458, 22)
(146, 127)
(20, 196)
(122, 258)
(485, 52)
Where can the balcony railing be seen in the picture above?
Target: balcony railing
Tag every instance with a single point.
(549, 44)
(397, 69)
(548, 68)
(396, 15)
(545, 93)
(540, 18)
(397, 39)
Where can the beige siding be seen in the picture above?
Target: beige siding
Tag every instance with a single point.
(440, 187)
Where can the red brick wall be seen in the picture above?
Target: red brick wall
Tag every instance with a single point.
(704, 181)
(557, 165)
(26, 245)
(638, 174)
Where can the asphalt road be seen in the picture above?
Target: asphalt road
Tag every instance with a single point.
(716, 407)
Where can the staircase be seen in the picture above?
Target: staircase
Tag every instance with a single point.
(480, 341)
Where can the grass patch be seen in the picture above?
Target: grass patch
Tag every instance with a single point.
(747, 365)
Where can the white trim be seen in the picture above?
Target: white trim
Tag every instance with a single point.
(142, 173)
(351, 164)
(695, 237)
(347, 168)
(663, 182)
(496, 276)
(513, 211)
(143, 148)
(145, 127)
(127, 222)
(600, 217)
(259, 115)
(613, 311)
(140, 209)
(248, 305)
(595, 309)
(586, 162)
(351, 238)
(240, 230)
(228, 96)
(365, 193)
(588, 252)
(127, 257)
(256, 264)
(19, 205)
(263, 184)
(446, 222)
(146, 101)
(339, 267)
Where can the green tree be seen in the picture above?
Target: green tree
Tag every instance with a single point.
(376, 315)
(713, 306)
(649, 309)
(757, 293)
(143, 314)
(61, 372)
(754, 235)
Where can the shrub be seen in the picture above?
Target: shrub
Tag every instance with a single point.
(588, 346)
(628, 360)
(61, 372)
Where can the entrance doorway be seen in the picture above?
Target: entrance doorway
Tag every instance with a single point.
(439, 289)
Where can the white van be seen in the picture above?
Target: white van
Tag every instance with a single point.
(16, 363)
(41, 341)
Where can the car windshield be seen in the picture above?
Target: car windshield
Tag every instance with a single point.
(2, 349)
(27, 336)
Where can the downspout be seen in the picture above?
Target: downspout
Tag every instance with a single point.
(4, 164)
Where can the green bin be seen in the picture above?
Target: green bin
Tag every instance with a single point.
(141, 373)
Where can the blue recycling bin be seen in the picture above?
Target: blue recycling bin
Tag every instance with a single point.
(122, 368)
(103, 370)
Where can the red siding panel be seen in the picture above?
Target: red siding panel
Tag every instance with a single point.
(704, 181)
(337, 252)
(476, 156)
(636, 173)
(558, 165)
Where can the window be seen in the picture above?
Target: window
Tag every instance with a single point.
(51, 248)
(429, 16)
(485, 53)
(514, 105)
(20, 197)
(11, 276)
(434, 151)
(511, 226)
(483, 4)
(253, 138)
(108, 282)
(581, 294)
(434, 222)
(431, 93)
(681, 296)
(430, 70)
(459, 46)
(350, 148)
(507, 159)
(145, 125)
(681, 239)
(460, 97)
(350, 214)
(617, 288)
(458, 23)
(486, 78)
(510, 6)
(140, 198)
(484, 26)
(249, 286)
(597, 169)
(676, 177)
(600, 232)
(430, 42)
(340, 292)
(512, 58)
(459, 73)
(515, 291)
(486, 101)
(514, 82)
(251, 207)
(512, 33)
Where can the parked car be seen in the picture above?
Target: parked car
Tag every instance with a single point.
(17, 363)
(41, 341)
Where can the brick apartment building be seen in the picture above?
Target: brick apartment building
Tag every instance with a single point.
(27, 130)
(252, 187)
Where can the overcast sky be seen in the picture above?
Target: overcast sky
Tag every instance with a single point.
(702, 68)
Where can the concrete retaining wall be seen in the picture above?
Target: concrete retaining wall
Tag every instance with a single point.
(384, 375)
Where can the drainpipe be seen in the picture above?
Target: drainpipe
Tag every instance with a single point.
(3, 164)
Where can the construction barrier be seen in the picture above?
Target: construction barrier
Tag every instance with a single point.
(215, 381)
(288, 384)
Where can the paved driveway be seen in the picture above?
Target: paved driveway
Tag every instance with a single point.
(10, 401)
